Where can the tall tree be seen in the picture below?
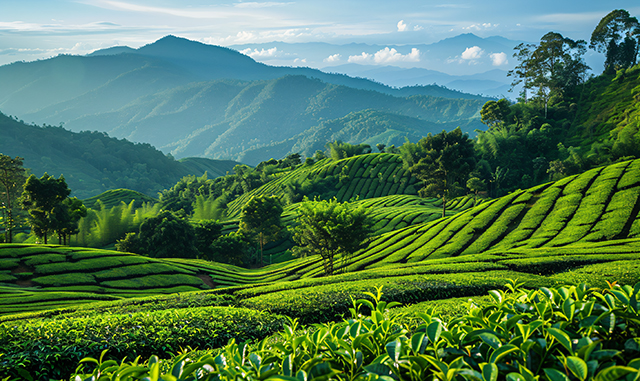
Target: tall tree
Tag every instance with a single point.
(260, 219)
(443, 162)
(329, 228)
(551, 68)
(42, 198)
(12, 177)
(618, 36)
(67, 215)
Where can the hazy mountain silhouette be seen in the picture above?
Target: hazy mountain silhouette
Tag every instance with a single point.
(195, 99)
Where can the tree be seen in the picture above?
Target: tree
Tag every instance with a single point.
(67, 215)
(42, 198)
(617, 35)
(163, 236)
(551, 68)
(329, 228)
(476, 185)
(11, 180)
(339, 150)
(207, 231)
(231, 248)
(442, 162)
(494, 113)
(260, 219)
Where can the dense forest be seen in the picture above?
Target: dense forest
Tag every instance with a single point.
(93, 162)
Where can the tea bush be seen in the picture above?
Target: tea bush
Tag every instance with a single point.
(564, 333)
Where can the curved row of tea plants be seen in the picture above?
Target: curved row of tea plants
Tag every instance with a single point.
(564, 333)
(363, 176)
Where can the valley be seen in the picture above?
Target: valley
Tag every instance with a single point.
(181, 211)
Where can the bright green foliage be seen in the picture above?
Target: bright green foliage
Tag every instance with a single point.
(105, 225)
(442, 162)
(261, 220)
(115, 197)
(52, 350)
(12, 177)
(328, 178)
(521, 334)
(43, 199)
(329, 228)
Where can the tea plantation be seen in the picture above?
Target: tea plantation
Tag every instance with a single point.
(61, 304)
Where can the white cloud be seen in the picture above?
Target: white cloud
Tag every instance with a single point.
(402, 26)
(483, 26)
(254, 4)
(386, 56)
(261, 54)
(332, 58)
(298, 60)
(362, 58)
(418, 27)
(472, 53)
(499, 59)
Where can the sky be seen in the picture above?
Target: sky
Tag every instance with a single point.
(39, 29)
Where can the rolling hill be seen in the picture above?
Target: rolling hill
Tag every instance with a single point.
(575, 223)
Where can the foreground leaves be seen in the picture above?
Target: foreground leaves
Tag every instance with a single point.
(565, 333)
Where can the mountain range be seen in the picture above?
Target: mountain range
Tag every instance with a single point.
(193, 99)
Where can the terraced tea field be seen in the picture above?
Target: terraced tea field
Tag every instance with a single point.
(363, 177)
(115, 197)
(583, 220)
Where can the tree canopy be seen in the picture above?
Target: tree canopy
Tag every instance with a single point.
(617, 35)
(329, 228)
(43, 198)
(12, 177)
(443, 162)
(260, 219)
(551, 68)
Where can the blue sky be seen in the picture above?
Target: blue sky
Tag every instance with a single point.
(36, 29)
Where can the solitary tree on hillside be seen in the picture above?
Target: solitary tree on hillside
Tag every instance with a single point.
(260, 219)
(551, 68)
(442, 162)
(329, 228)
(42, 197)
(617, 35)
(11, 180)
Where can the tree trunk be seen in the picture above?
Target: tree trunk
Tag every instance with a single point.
(444, 205)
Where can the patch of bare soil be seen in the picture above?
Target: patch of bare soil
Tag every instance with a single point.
(207, 280)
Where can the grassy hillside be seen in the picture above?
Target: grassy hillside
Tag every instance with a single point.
(580, 229)
(93, 162)
(363, 176)
(114, 197)
(579, 221)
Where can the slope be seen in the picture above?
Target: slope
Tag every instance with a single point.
(587, 224)
(93, 162)
(240, 120)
